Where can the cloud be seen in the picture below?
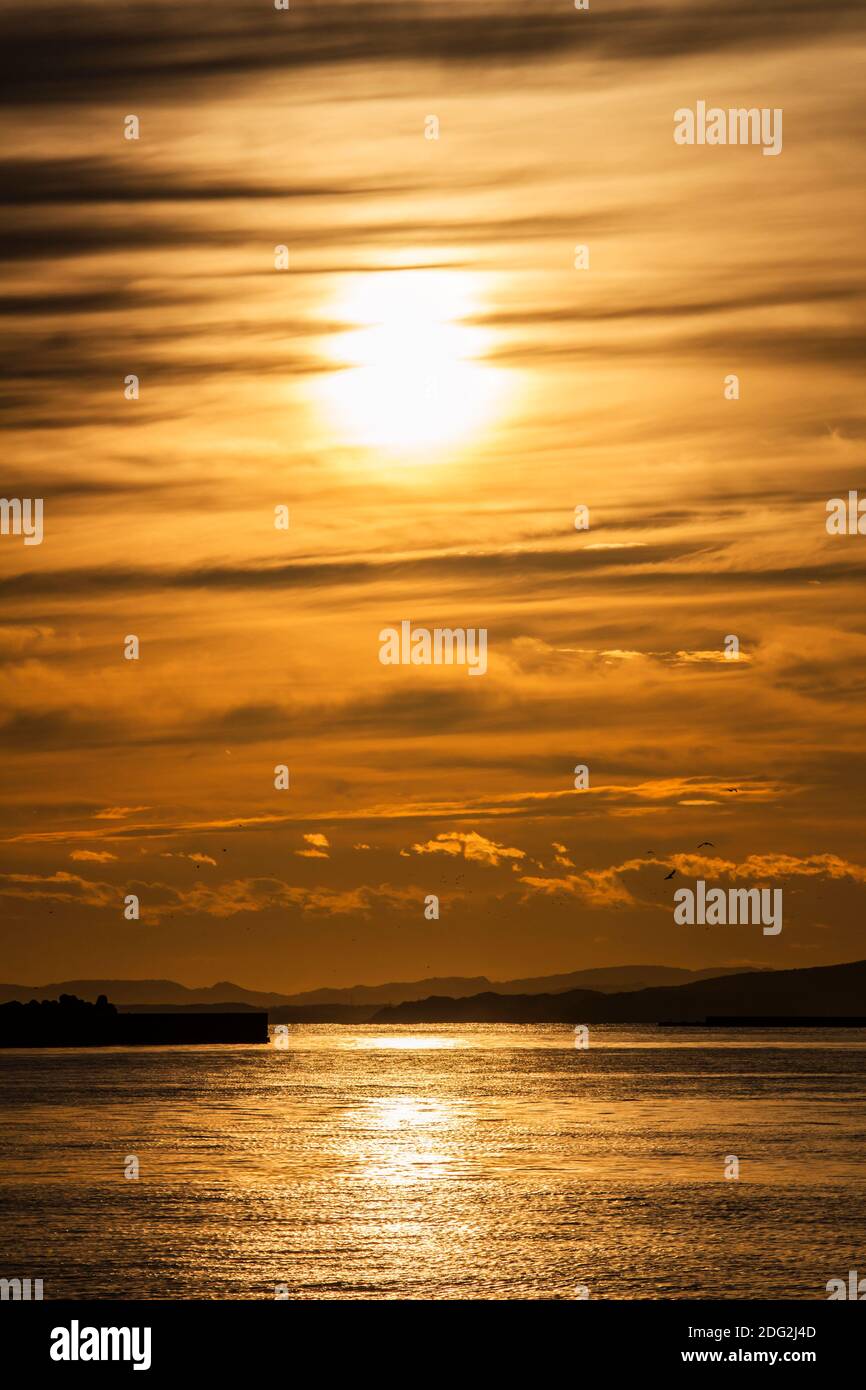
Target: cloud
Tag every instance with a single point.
(471, 846)
(495, 566)
(196, 858)
(791, 293)
(533, 654)
(153, 831)
(318, 847)
(60, 887)
(260, 894)
(618, 799)
(36, 182)
(762, 867)
(93, 856)
(16, 639)
(597, 888)
(101, 58)
(603, 888)
(704, 658)
(161, 900)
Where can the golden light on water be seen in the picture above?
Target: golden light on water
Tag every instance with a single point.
(412, 1139)
(407, 1043)
(410, 1111)
(413, 376)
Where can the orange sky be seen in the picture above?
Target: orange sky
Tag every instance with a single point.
(431, 387)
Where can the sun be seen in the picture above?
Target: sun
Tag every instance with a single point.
(411, 375)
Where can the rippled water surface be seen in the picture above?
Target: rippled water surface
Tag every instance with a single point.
(450, 1162)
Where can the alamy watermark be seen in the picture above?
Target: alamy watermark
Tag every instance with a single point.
(21, 1290)
(846, 518)
(22, 516)
(738, 125)
(736, 907)
(439, 646)
(855, 1290)
(77, 1343)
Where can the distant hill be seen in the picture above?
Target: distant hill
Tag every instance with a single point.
(323, 1013)
(821, 990)
(604, 979)
(455, 986)
(673, 995)
(229, 1006)
(127, 994)
(123, 992)
(617, 979)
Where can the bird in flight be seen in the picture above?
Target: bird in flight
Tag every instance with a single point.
(706, 842)
(732, 789)
(671, 874)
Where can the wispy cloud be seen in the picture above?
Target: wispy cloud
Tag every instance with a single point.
(317, 847)
(99, 58)
(470, 845)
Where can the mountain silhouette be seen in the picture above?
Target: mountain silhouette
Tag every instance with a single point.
(168, 994)
(829, 990)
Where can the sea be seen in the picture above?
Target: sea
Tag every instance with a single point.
(443, 1162)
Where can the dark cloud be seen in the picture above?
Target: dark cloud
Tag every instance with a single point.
(110, 299)
(497, 567)
(800, 343)
(36, 239)
(396, 714)
(88, 51)
(602, 312)
(42, 240)
(36, 182)
(649, 567)
(37, 731)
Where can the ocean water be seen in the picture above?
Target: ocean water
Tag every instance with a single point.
(478, 1162)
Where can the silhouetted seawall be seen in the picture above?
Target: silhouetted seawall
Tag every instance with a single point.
(72, 1023)
(193, 1028)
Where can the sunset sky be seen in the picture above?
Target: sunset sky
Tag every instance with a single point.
(431, 388)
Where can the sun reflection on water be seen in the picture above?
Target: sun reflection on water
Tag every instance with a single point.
(407, 1042)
